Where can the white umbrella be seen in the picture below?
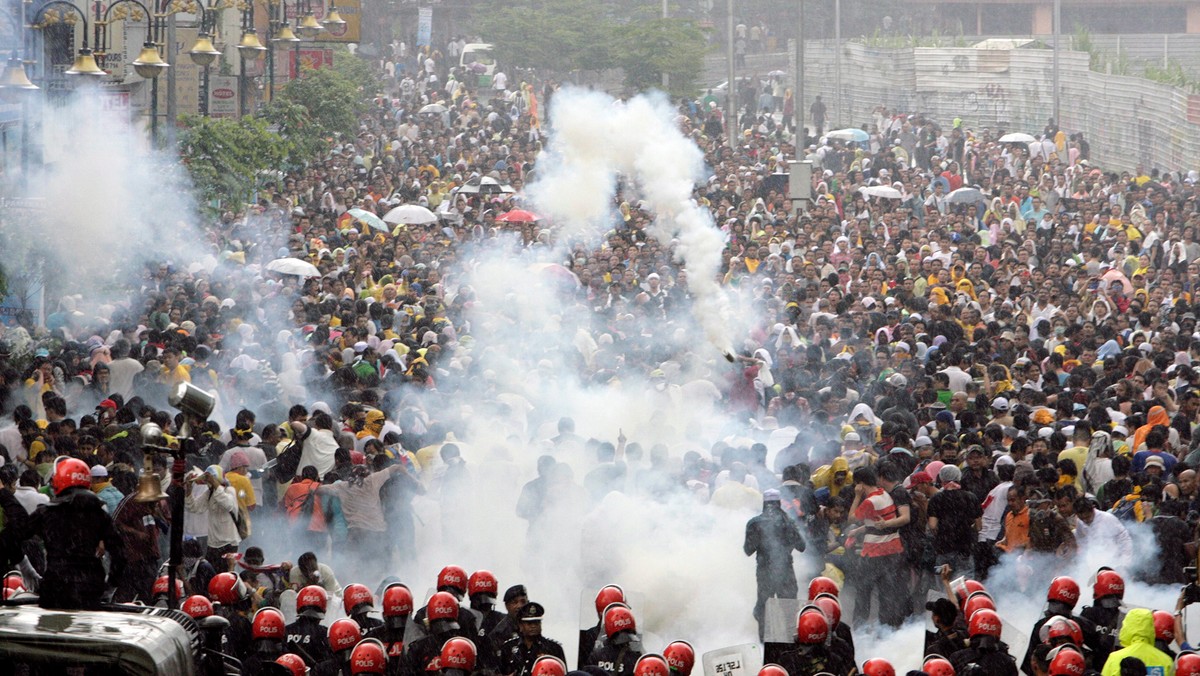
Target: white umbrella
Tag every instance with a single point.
(293, 266)
(885, 191)
(1017, 137)
(410, 214)
(965, 195)
(850, 135)
(364, 216)
(433, 108)
(485, 186)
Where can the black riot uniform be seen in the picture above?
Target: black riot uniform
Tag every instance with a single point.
(1091, 639)
(841, 649)
(618, 657)
(1108, 628)
(589, 640)
(72, 526)
(517, 655)
(487, 620)
(992, 660)
(309, 639)
(419, 654)
(263, 652)
(392, 639)
(807, 660)
(238, 637)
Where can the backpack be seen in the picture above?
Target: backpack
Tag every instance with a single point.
(287, 462)
(1130, 507)
(241, 519)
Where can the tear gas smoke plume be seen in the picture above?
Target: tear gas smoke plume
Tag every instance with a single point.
(1019, 586)
(596, 139)
(110, 202)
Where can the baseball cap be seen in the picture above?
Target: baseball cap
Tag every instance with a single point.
(1000, 404)
(99, 471)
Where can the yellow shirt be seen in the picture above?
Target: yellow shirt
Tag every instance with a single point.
(243, 488)
(1077, 455)
(181, 374)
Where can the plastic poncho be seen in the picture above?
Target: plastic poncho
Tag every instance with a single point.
(824, 477)
(1137, 635)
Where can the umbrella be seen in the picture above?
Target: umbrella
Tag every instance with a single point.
(777, 73)
(850, 135)
(519, 216)
(885, 191)
(293, 266)
(557, 273)
(1017, 137)
(364, 216)
(1116, 274)
(433, 108)
(485, 186)
(410, 214)
(965, 196)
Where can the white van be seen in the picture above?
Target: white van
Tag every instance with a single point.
(477, 64)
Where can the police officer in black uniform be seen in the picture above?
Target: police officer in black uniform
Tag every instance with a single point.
(420, 653)
(986, 653)
(483, 606)
(515, 598)
(72, 526)
(307, 637)
(397, 607)
(619, 653)
(517, 655)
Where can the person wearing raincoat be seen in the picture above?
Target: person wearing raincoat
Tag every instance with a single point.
(1137, 635)
(833, 477)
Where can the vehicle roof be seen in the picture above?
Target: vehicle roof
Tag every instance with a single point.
(136, 644)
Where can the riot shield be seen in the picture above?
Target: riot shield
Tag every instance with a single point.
(736, 660)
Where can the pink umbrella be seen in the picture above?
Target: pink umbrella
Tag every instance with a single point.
(1116, 274)
(519, 216)
(556, 272)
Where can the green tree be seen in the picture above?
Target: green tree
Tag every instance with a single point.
(225, 156)
(651, 48)
(333, 100)
(569, 34)
(295, 126)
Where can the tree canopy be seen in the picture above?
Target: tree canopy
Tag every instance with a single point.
(576, 35)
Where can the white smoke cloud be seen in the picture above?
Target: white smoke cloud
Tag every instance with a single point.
(596, 139)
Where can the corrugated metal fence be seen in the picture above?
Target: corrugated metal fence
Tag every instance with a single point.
(1128, 120)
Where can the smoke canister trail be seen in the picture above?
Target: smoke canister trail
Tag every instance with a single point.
(637, 140)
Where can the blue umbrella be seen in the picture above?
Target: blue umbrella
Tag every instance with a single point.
(849, 135)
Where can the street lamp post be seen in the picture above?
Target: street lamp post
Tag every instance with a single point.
(203, 53)
(61, 11)
(149, 64)
(13, 84)
(278, 31)
(250, 47)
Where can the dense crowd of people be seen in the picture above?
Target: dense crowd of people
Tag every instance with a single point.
(931, 385)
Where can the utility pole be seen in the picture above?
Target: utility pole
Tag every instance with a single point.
(666, 77)
(798, 94)
(731, 91)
